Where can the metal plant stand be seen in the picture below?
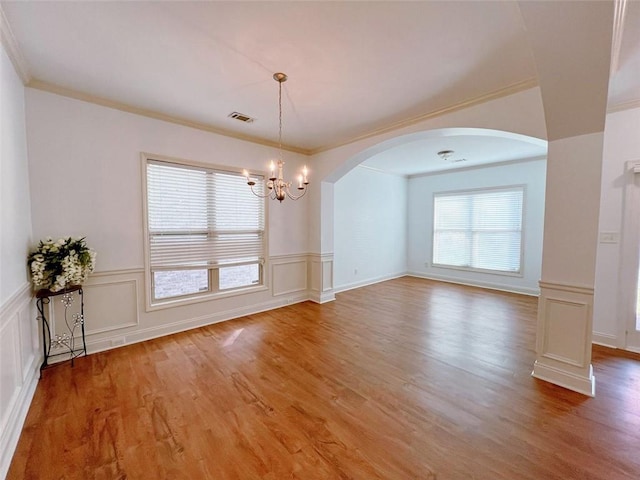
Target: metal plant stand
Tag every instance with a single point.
(53, 344)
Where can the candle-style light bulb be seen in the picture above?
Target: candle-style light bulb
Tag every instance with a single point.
(300, 182)
(245, 174)
(304, 174)
(272, 170)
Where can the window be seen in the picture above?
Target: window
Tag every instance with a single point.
(206, 230)
(479, 230)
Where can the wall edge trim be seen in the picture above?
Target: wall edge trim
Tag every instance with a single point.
(17, 416)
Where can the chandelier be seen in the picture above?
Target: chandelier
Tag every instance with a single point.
(277, 188)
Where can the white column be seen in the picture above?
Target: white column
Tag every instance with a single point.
(565, 309)
(321, 264)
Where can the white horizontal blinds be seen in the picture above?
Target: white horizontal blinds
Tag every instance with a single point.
(452, 242)
(480, 230)
(176, 199)
(202, 218)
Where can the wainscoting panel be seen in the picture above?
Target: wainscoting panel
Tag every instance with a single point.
(289, 275)
(566, 330)
(315, 275)
(10, 368)
(564, 337)
(29, 338)
(19, 368)
(111, 305)
(321, 277)
(327, 275)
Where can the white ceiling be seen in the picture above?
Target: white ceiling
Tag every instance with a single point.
(354, 67)
(472, 147)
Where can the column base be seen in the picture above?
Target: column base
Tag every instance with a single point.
(571, 381)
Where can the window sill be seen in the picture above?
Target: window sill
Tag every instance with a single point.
(206, 297)
(478, 270)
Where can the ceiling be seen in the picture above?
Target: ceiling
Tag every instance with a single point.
(472, 147)
(354, 67)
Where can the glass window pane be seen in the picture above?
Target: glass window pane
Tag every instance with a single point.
(239, 276)
(200, 219)
(452, 248)
(497, 251)
(175, 283)
(176, 198)
(479, 229)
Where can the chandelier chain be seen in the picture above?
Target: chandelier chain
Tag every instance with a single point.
(280, 119)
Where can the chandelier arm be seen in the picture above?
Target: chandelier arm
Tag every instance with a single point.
(296, 197)
(257, 194)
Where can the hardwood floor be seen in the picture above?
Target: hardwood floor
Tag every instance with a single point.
(406, 379)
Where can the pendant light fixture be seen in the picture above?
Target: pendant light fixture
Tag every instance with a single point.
(277, 187)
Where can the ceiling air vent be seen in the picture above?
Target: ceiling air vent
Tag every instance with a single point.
(241, 116)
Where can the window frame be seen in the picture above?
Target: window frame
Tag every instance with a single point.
(153, 303)
(479, 190)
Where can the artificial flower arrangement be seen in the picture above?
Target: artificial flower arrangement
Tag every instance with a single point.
(60, 264)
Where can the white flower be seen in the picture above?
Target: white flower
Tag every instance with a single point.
(56, 265)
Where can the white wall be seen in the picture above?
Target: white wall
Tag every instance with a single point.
(86, 175)
(621, 145)
(85, 171)
(370, 225)
(15, 215)
(420, 223)
(19, 348)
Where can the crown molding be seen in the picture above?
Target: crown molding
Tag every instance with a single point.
(620, 10)
(86, 97)
(619, 107)
(502, 92)
(11, 46)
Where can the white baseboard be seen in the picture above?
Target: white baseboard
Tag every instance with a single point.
(562, 378)
(323, 297)
(534, 292)
(17, 416)
(368, 281)
(605, 339)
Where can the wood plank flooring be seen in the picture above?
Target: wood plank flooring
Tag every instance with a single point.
(406, 379)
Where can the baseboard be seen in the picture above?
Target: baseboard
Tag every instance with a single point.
(533, 292)
(605, 339)
(583, 385)
(369, 281)
(17, 416)
(142, 335)
(323, 297)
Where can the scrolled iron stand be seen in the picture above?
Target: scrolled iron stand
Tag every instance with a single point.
(65, 344)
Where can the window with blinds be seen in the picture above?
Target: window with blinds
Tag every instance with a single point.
(206, 230)
(479, 230)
